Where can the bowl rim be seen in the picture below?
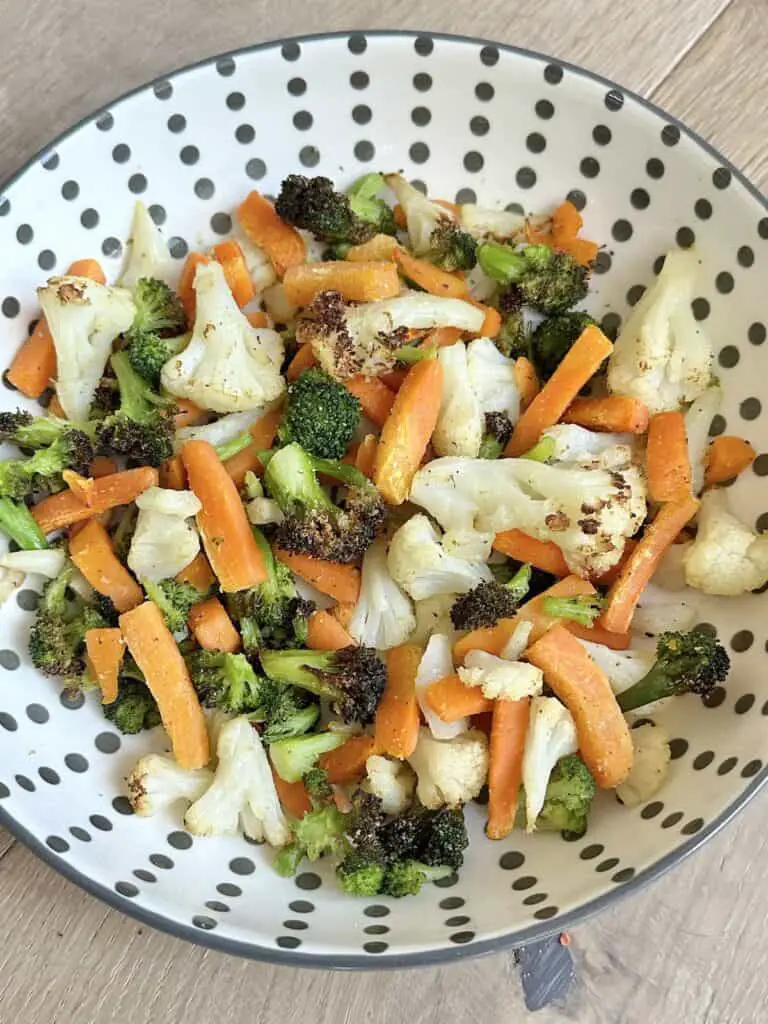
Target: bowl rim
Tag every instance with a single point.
(429, 958)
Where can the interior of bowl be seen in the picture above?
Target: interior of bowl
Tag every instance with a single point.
(467, 119)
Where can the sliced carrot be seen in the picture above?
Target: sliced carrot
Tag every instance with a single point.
(198, 573)
(173, 476)
(394, 379)
(293, 796)
(527, 381)
(380, 247)
(258, 319)
(342, 611)
(341, 582)
(366, 455)
(580, 363)
(104, 649)
(492, 323)
(228, 540)
(187, 282)
(89, 268)
(356, 282)
(155, 652)
(303, 360)
(92, 552)
(509, 723)
(429, 277)
(397, 715)
(667, 464)
(282, 243)
(613, 413)
(726, 458)
(55, 408)
(583, 251)
(347, 762)
(64, 509)
(451, 700)
(374, 396)
(230, 256)
(643, 562)
(407, 430)
(263, 432)
(81, 486)
(325, 633)
(212, 627)
(566, 223)
(399, 214)
(188, 414)
(101, 466)
(544, 554)
(603, 734)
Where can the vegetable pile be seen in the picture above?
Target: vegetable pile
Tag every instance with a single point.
(369, 531)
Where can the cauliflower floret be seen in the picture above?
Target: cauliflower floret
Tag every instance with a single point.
(460, 421)
(551, 735)
(391, 781)
(48, 562)
(450, 772)
(84, 318)
(421, 214)
(418, 563)
(383, 616)
(650, 765)
(493, 379)
(148, 254)
(222, 430)
(662, 356)
(228, 366)
(514, 648)
(468, 545)
(156, 782)
(165, 538)
(433, 615)
(242, 794)
(698, 420)
(568, 443)
(726, 558)
(437, 663)
(501, 679)
(484, 221)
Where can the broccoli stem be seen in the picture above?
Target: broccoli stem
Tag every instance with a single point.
(410, 354)
(542, 451)
(229, 449)
(18, 523)
(294, 757)
(368, 186)
(490, 447)
(302, 668)
(288, 859)
(583, 609)
(520, 583)
(290, 479)
(501, 262)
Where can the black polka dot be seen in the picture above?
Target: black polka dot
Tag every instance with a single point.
(685, 237)
(291, 51)
(359, 80)
(760, 465)
(525, 177)
(658, 264)
(179, 840)
(4, 791)
(614, 100)
(105, 122)
(245, 134)
(419, 185)
(37, 713)
(553, 74)
(364, 150)
(80, 833)
(589, 167)
(309, 156)
(544, 109)
(489, 55)
(189, 155)
(703, 209)
(122, 805)
(176, 123)
(750, 408)
(577, 197)
(751, 768)
(728, 357)
(10, 307)
(635, 293)
(762, 227)
(302, 120)
(24, 783)
(474, 161)
(591, 851)
(49, 775)
(761, 523)
(607, 865)
(137, 183)
(717, 426)
(639, 199)
(460, 938)
(692, 826)
(256, 169)
(741, 641)
(111, 246)
(295, 926)
(89, 218)
(24, 234)
(451, 903)
(290, 942)
(221, 223)
(76, 763)
(297, 906)
(204, 188)
(235, 101)
(511, 860)
(107, 742)
(479, 125)
(706, 627)
(297, 87)
(177, 247)
(670, 135)
(537, 897)
(423, 45)
(536, 142)
(724, 282)
(700, 307)
(57, 844)
(357, 43)
(745, 256)
(721, 177)
(376, 910)
(703, 760)
(372, 929)
(727, 765)
(466, 195)
(422, 82)
(652, 809)
(545, 913)
(611, 325)
(672, 819)
(163, 90)
(625, 875)
(654, 168)
(484, 91)
(100, 822)
(524, 882)
(457, 921)
(121, 153)
(308, 880)
(205, 923)
(46, 259)
(678, 747)
(362, 114)
(70, 190)
(621, 230)
(159, 860)
(602, 262)
(145, 876)
(602, 134)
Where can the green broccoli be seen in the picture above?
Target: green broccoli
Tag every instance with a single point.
(175, 600)
(57, 637)
(19, 524)
(553, 339)
(548, 281)
(569, 796)
(317, 833)
(320, 415)
(135, 708)
(514, 337)
(314, 205)
(488, 602)
(360, 877)
(692, 662)
(451, 248)
(405, 878)
(584, 608)
(543, 451)
(228, 449)
(498, 430)
(225, 681)
(365, 203)
(142, 428)
(157, 332)
(56, 445)
(285, 711)
(317, 785)
(293, 757)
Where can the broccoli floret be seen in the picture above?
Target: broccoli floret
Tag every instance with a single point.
(106, 399)
(548, 281)
(295, 756)
(285, 711)
(365, 203)
(314, 205)
(405, 878)
(225, 681)
(443, 838)
(570, 792)
(57, 637)
(316, 834)
(360, 877)
(488, 602)
(157, 332)
(174, 600)
(313, 524)
(57, 446)
(366, 830)
(317, 785)
(19, 524)
(142, 427)
(584, 608)
(352, 678)
(553, 339)
(498, 430)
(135, 708)
(229, 449)
(692, 662)
(149, 353)
(451, 248)
(320, 415)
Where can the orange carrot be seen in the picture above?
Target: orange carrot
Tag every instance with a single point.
(228, 540)
(342, 611)
(347, 762)
(258, 319)
(603, 735)
(155, 652)
(64, 509)
(89, 268)
(187, 414)
(356, 282)
(92, 552)
(186, 287)
(173, 476)
(614, 413)
(303, 360)
(642, 563)
(397, 716)
(726, 458)
(341, 582)
(198, 573)
(263, 432)
(55, 408)
(429, 277)
(282, 243)
(212, 627)
(492, 323)
(366, 455)
(81, 486)
(293, 796)
(325, 633)
(374, 396)
(399, 214)
(610, 577)
(527, 381)
(394, 379)
(101, 466)
(509, 723)
(407, 430)
(667, 464)
(566, 224)
(580, 363)
(104, 649)
(451, 700)
(544, 554)
(583, 251)
(230, 256)
(380, 247)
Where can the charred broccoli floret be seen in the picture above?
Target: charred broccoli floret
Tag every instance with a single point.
(225, 681)
(360, 877)
(314, 205)
(451, 248)
(285, 710)
(498, 430)
(584, 608)
(57, 446)
(175, 600)
(142, 427)
(553, 339)
(692, 662)
(488, 602)
(365, 203)
(317, 785)
(57, 638)
(135, 708)
(18, 523)
(320, 415)
(548, 281)
(405, 878)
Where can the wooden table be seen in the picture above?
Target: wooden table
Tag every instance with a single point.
(687, 951)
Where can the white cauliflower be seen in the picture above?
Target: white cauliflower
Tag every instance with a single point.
(437, 663)
(260, 268)
(421, 214)
(727, 558)
(569, 443)
(623, 668)
(391, 781)
(658, 611)
(450, 772)
(501, 679)
(242, 794)
(84, 318)
(48, 562)
(484, 221)
(278, 305)
(493, 380)
(418, 563)
(515, 647)
(698, 420)
(469, 545)
(661, 355)
(433, 615)
(228, 366)
(460, 422)
(156, 782)
(551, 735)
(383, 616)
(222, 430)
(165, 538)
(650, 765)
(148, 254)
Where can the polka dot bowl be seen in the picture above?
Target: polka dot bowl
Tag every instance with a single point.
(468, 119)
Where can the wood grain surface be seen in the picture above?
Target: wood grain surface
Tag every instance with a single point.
(689, 950)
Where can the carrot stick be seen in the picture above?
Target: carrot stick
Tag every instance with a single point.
(407, 430)
(668, 466)
(104, 649)
(604, 740)
(374, 396)
(607, 578)
(81, 486)
(282, 243)
(228, 540)
(366, 455)
(726, 458)
(341, 582)
(155, 652)
(580, 363)
(397, 716)
(101, 466)
(544, 554)
(293, 796)
(356, 281)
(492, 323)
(258, 319)
(527, 381)
(347, 762)
(325, 633)
(509, 723)
(303, 360)
(380, 247)
(92, 552)
(613, 413)
(187, 282)
(395, 378)
(198, 573)
(230, 256)
(451, 700)
(566, 224)
(65, 509)
(643, 562)
(187, 413)
(212, 627)
(263, 432)
(342, 611)
(429, 277)
(173, 476)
